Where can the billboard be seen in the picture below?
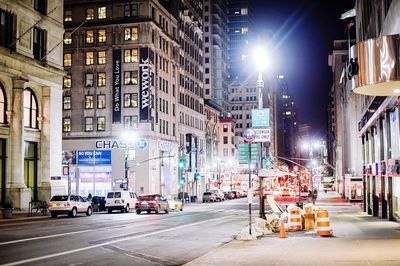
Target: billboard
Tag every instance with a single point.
(92, 157)
(144, 84)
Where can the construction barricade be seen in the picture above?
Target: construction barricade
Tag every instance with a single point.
(323, 227)
(295, 222)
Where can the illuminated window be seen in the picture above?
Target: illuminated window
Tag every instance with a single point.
(101, 36)
(131, 34)
(245, 30)
(89, 58)
(130, 55)
(89, 36)
(101, 57)
(243, 11)
(67, 82)
(88, 123)
(131, 77)
(89, 99)
(89, 14)
(68, 15)
(30, 109)
(101, 79)
(67, 59)
(101, 12)
(101, 101)
(67, 124)
(130, 100)
(88, 80)
(67, 38)
(101, 123)
(67, 102)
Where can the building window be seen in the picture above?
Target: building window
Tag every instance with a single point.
(225, 128)
(30, 109)
(67, 38)
(130, 100)
(225, 140)
(67, 124)
(101, 123)
(40, 6)
(101, 36)
(101, 79)
(89, 58)
(89, 14)
(101, 12)
(131, 77)
(101, 101)
(88, 80)
(131, 10)
(89, 36)
(67, 102)
(67, 82)
(130, 122)
(131, 33)
(67, 59)
(101, 57)
(88, 123)
(6, 29)
(39, 44)
(3, 106)
(131, 56)
(226, 153)
(88, 101)
(68, 15)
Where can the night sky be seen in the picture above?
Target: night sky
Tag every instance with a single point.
(303, 33)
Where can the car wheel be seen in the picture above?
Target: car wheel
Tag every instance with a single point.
(127, 208)
(138, 212)
(53, 215)
(73, 213)
(89, 211)
(149, 212)
(181, 208)
(109, 210)
(167, 210)
(158, 209)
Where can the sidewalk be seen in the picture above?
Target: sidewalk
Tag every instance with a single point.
(358, 239)
(23, 216)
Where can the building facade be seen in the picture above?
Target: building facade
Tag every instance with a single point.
(31, 75)
(120, 97)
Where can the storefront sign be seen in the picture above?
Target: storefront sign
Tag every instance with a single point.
(110, 144)
(94, 157)
(262, 134)
(144, 84)
(165, 145)
(260, 118)
(116, 88)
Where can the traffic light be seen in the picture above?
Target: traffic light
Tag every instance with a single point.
(182, 180)
(181, 164)
(196, 176)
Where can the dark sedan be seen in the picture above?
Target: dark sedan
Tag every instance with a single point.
(149, 203)
(98, 203)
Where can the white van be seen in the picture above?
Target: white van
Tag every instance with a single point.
(120, 200)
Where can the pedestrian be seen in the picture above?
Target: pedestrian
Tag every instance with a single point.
(89, 196)
(314, 196)
(310, 196)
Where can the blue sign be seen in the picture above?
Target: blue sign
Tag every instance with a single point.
(143, 144)
(94, 157)
(260, 118)
(249, 135)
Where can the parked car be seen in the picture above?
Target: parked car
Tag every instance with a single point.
(120, 200)
(154, 202)
(219, 194)
(229, 195)
(209, 197)
(98, 203)
(175, 203)
(69, 204)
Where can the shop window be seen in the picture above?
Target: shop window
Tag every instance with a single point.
(101, 79)
(66, 124)
(130, 55)
(67, 82)
(101, 12)
(67, 102)
(30, 109)
(67, 59)
(40, 6)
(89, 14)
(88, 80)
(131, 10)
(6, 29)
(101, 36)
(130, 100)
(101, 123)
(131, 77)
(39, 44)
(89, 36)
(3, 106)
(67, 38)
(88, 101)
(67, 15)
(101, 101)
(101, 57)
(89, 58)
(131, 33)
(88, 123)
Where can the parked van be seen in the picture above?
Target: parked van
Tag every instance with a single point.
(120, 200)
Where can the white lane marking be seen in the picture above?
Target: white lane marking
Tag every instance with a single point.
(110, 242)
(56, 235)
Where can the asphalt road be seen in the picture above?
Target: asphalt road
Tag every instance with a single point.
(124, 238)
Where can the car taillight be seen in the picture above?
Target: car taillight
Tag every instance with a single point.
(137, 203)
(152, 202)
(67, 204)
(50, 204)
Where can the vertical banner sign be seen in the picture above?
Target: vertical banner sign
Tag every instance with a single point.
(144, 84)
(116, 89)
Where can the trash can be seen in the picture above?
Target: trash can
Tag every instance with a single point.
(299, 204)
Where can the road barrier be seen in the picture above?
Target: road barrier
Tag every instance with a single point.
(295, 219)
(323, 226)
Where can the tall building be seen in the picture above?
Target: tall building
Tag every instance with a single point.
(216, 53)
(286, 121)
(120, 99)
(30, 100)
(240, 22)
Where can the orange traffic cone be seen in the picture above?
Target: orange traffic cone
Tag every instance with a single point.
(282, 232)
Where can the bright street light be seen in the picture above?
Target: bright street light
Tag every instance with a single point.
(262, 59)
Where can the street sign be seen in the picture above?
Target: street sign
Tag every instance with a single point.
(249, 135)
(260, 118)
(143, 144)
(244, 153)
(262, 134)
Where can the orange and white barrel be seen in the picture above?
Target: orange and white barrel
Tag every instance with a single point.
(295, 223)
(323, 226)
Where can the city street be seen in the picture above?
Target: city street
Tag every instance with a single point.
(124, 239)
